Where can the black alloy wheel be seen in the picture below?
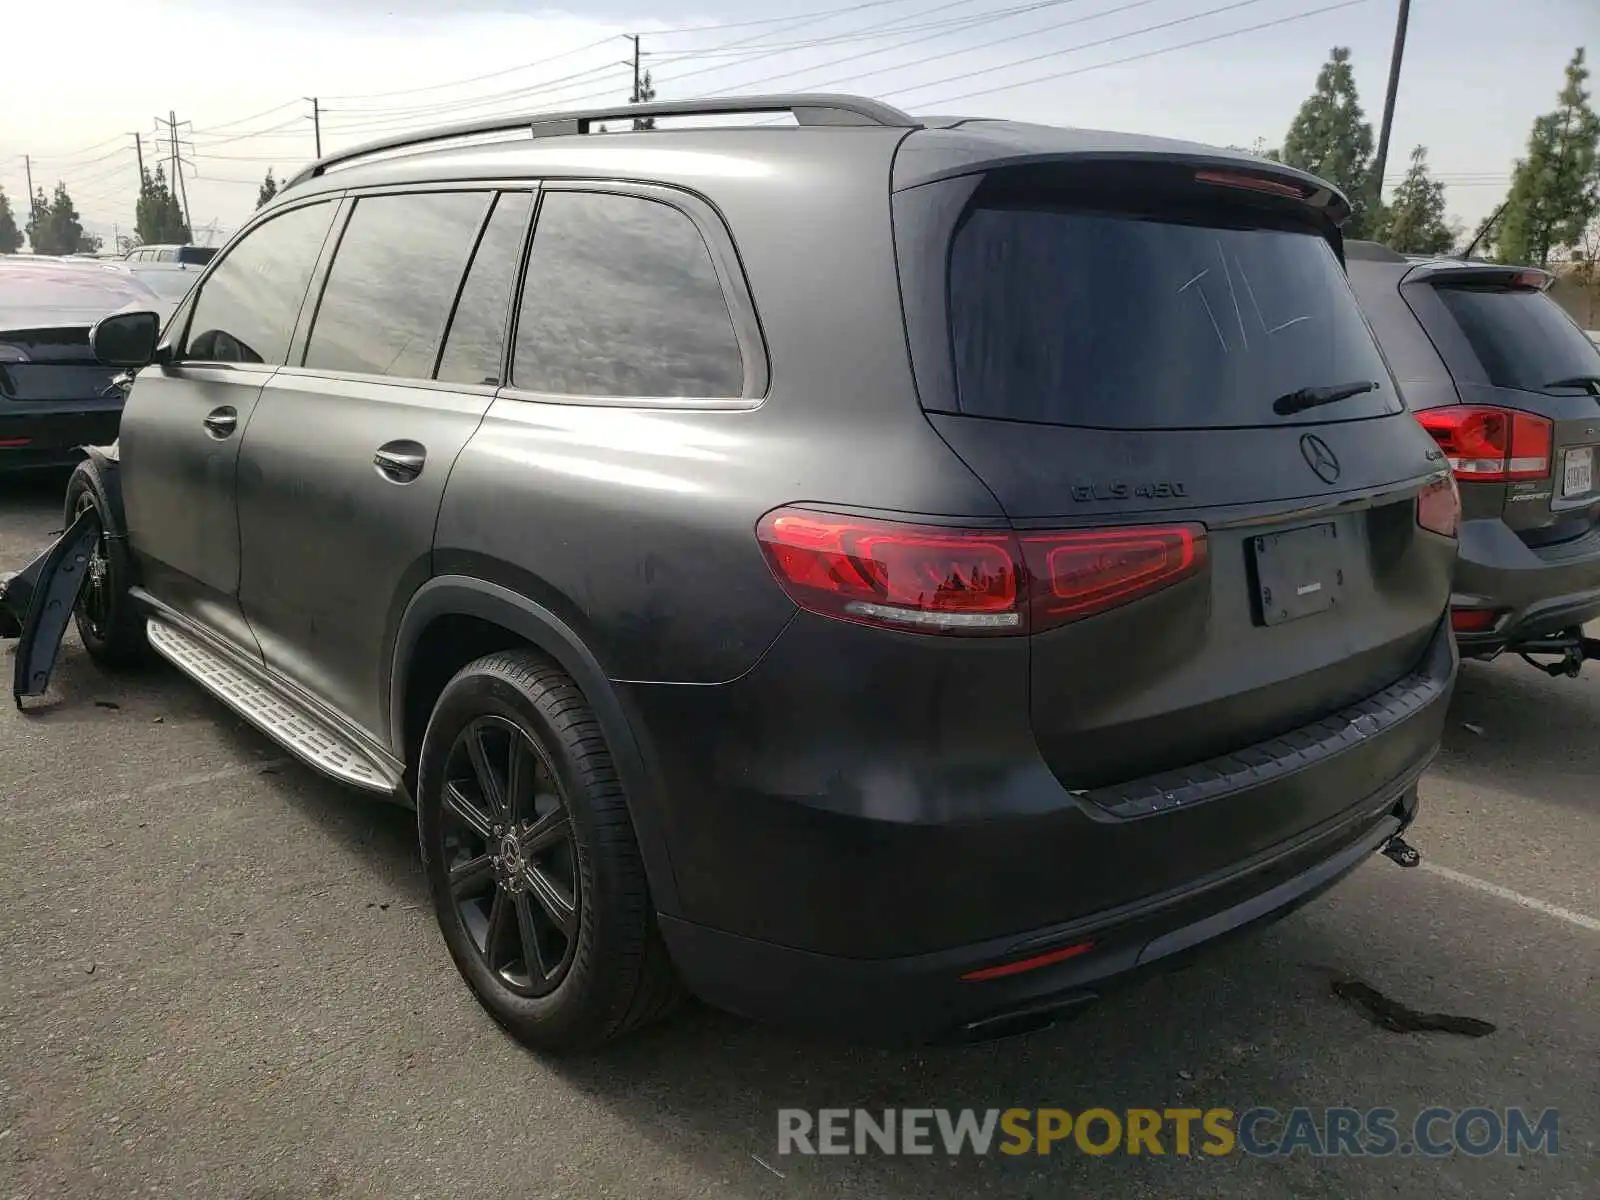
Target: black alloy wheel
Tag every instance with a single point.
(509, 848)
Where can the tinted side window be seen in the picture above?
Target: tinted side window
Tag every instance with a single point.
(247, 309)
(621, 299)
(478, 328)
(393, 279)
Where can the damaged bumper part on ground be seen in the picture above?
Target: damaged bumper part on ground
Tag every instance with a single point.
(37, 602)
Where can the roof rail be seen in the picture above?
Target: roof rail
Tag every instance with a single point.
(807, 109)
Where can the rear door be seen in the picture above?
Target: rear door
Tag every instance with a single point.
(1525, 435)
(346, 459)
(1180, 370)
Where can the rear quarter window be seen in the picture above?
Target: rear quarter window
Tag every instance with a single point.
(1071, 316)
(1522, 339)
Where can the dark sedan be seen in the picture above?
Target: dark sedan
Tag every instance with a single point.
(54, 395)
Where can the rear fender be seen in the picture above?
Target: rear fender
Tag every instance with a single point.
(37, 602)
(547, 632)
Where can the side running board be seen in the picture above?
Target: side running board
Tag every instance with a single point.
(300, 730)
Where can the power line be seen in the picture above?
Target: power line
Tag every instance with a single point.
(917, 62)
(948, 24)
(433, 87)
(1105, 41)
(1216, 37)
(768, 53)
(266, 112)
(823, 15)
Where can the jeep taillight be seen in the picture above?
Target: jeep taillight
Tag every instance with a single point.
(1491, 445)
(953, 580)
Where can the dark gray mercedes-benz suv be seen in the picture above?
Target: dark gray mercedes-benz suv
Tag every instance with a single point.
(886, 574)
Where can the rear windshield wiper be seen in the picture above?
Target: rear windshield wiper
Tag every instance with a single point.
(1575, 381)
(1314, 397)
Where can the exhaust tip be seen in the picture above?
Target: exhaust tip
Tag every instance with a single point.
(1018, 1024)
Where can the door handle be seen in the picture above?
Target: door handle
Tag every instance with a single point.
(220, 422)
(400, 462)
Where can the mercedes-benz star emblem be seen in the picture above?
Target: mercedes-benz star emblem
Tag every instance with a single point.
(1320, 458)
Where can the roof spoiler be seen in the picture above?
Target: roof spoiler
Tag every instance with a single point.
(1453, 270)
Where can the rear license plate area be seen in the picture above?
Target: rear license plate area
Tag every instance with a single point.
(1297, 573)
(1577, 472)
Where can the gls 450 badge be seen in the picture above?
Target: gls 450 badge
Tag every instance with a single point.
(1128, 491)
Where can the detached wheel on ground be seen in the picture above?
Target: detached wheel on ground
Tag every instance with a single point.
(110, 625)
(532, 861)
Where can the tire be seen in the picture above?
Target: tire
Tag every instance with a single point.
(109, 623)
(607, 972)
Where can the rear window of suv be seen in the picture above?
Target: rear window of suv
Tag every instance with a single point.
(1073, 316)
(1523, 339)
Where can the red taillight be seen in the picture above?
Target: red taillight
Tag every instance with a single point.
(1250, 183)
(1028, 964)
(1473, 620)
(938, 579)
(13, 443)
(1091, 570)
(1491, 445)
(1439, 507)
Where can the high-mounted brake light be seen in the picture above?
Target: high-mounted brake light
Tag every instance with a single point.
(1439, 507)
(1252, 183)
(1529, 281)
(950, 580)
(1491, 445)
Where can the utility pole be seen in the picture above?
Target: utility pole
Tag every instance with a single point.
(1388, 101)
(33, 205)
(178, 188)
(634, 38)
(316, 123)
(138, 149)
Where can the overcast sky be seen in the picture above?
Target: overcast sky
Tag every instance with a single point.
(1473, 80)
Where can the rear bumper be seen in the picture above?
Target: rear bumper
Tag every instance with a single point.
(858, 821)
(40, 437)
(923, 998)
(1535, 592)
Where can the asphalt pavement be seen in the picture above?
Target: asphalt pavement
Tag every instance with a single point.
(219, 977)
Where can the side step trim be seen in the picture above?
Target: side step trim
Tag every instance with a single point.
(300, 731)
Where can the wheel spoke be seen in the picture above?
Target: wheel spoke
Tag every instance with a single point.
(521, 770)
(469, 812)
(469, 878)
(501, 917)
(532, 955)
(552, 828)
(488, 782)
(554, 899)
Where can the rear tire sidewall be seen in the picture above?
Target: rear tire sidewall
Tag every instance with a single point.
(576, 1013)
(121, 641)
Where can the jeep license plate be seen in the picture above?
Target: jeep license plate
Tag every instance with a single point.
(1577, 472)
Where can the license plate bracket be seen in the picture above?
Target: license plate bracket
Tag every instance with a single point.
(1577, 472)
(1298, 573)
